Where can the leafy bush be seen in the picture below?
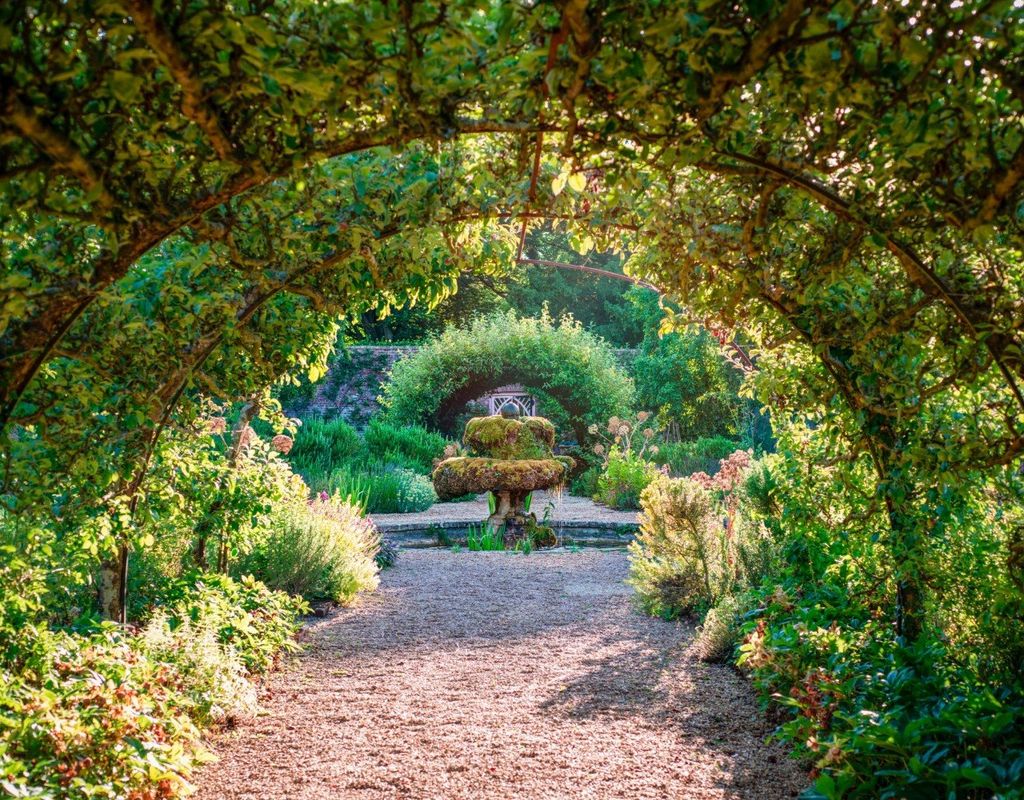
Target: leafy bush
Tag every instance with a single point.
(379, 489)
(585, 484)
(211, 673)
(387, 554)
(685, 377)
(102, 712)
(321, 447)
(696, 455)
(97, 718)
(882, 721)
(574, 367)
(623, 480)
(414, 445)
(321, 549)
(258, 622)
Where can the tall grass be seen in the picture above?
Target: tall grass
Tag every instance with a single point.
(378, 488)
(410, 446)
(321, 447)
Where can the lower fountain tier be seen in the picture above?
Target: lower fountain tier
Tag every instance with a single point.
(455, 477)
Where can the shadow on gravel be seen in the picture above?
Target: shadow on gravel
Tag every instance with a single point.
(708, 706)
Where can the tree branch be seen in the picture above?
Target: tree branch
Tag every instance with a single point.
(59, 149)
(193, 105)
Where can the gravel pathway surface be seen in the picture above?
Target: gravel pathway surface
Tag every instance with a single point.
(494, 675)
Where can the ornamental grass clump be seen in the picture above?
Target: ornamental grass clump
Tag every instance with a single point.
(380, 489)
(324, 549)
(412, 446)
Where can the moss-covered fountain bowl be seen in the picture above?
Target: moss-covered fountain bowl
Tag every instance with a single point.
(509, 456)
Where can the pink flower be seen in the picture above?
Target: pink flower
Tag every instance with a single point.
(282, 443)
(215, 425)
(324, 497)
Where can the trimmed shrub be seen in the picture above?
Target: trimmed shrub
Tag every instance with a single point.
(575, 368)
(320, 550)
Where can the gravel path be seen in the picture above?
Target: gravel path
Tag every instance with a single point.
(494, 675)
(566, 508)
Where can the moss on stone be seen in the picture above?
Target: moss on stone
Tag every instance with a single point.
(541, 535)
(454, 477)
(510, 438)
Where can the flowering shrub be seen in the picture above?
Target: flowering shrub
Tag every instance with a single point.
(623, 480)
(635, 438)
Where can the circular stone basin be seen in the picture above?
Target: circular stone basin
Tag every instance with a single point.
(455, 477)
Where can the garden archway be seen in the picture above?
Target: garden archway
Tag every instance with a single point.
(560, 359)
(781, 225)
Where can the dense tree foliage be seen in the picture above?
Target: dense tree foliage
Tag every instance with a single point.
(192, 195)
(603, 305)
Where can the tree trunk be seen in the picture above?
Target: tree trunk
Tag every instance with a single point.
(238, 441)
(904, 537)
(113, 586)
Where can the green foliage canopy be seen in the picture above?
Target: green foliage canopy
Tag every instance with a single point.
(190, 196)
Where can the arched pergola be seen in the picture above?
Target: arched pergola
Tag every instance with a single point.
(188, 207)
(575, 369)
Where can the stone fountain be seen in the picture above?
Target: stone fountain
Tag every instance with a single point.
(509, 456)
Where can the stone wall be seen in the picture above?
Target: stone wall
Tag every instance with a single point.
(350, 388)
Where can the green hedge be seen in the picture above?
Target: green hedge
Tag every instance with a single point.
(573, 367)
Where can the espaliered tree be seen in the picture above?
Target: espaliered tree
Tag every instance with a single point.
(843, 180)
